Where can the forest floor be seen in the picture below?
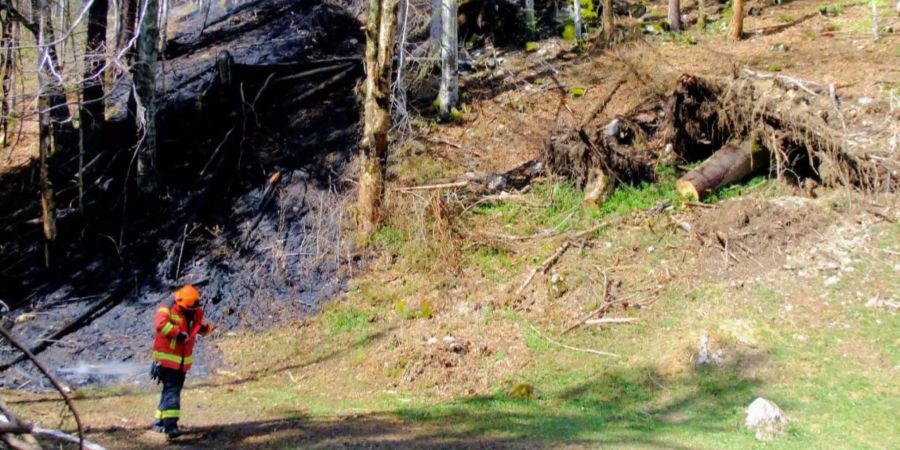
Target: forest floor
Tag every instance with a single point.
(433, 346)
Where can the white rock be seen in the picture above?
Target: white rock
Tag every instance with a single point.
(766, 418)
(431, 341)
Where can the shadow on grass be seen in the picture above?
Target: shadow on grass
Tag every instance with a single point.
(626, 407)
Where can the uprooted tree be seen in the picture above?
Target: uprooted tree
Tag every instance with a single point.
(752, 123)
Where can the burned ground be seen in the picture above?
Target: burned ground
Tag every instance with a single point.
(263, 251)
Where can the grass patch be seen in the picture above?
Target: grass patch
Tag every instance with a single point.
(342, 319)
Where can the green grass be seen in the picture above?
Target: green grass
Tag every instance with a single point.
(342, 319)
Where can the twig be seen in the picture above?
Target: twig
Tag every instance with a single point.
(544, 267)
(569, 347)
(56, 384)
(611, 320)
(800, 84)
(604, 103)
(433, 186)
(309, 73)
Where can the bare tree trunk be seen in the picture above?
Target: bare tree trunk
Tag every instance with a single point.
(701, 14)
(436, 24)
(530, 20)
(608, 20)
(674, 15)
(7, 43)
(93, 111)
(127, 19)
(61, 123)
(737, 22)
(380, 30)
(576, 17)
(448, 94)
(144, 73)
(45, 93)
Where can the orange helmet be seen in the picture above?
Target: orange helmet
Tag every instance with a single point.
(187, 297)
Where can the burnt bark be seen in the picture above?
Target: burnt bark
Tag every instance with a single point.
(144, 73)
(46, 93)
(92, 112)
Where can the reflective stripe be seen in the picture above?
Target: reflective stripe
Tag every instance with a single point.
(172, 358)
(175, 318)
(167, 328)
(168, 414)
(164, 309)
(173, 343)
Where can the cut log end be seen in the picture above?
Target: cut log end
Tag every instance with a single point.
(687, 190)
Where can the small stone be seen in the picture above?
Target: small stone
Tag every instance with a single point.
(766, 418)
(557, 287)
(865, 101)
(780, 47)
(832, 280)
(431, 341)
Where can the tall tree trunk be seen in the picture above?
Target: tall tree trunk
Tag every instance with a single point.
(737, 22)
(701, 14)
(127, 19)
(448, 94)
(530, 19)
(92, 112)
(61, 118)
(576, 17)
(380, 30)
(7, 43)
(45, 94)
(608, 19)
(145, 85)
(436, 24)
(674, 15)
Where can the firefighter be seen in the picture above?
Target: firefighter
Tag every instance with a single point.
(177, 324)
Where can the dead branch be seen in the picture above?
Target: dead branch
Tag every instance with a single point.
(800, 84)
(63, 391)
(611, 320)
(58, 435)
(429, 187)
(603, 103)
(569, 347)
(313, 72)
(544, 267)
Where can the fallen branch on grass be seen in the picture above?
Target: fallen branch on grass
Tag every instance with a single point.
(569, 347)
(545, 266)
(429, 187)
(800, 84)
(611, 320)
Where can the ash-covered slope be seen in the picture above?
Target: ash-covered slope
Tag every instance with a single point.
(258, 119)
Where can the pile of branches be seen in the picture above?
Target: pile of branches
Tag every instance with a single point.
(798, 124)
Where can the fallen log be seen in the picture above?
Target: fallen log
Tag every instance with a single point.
(729, 164)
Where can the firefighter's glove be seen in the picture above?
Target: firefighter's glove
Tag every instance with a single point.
(183, 336)
(154, 372)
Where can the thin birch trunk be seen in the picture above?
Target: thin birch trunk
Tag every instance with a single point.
(530, 20)
(448, 94)
(576, 8)
(45, 143)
